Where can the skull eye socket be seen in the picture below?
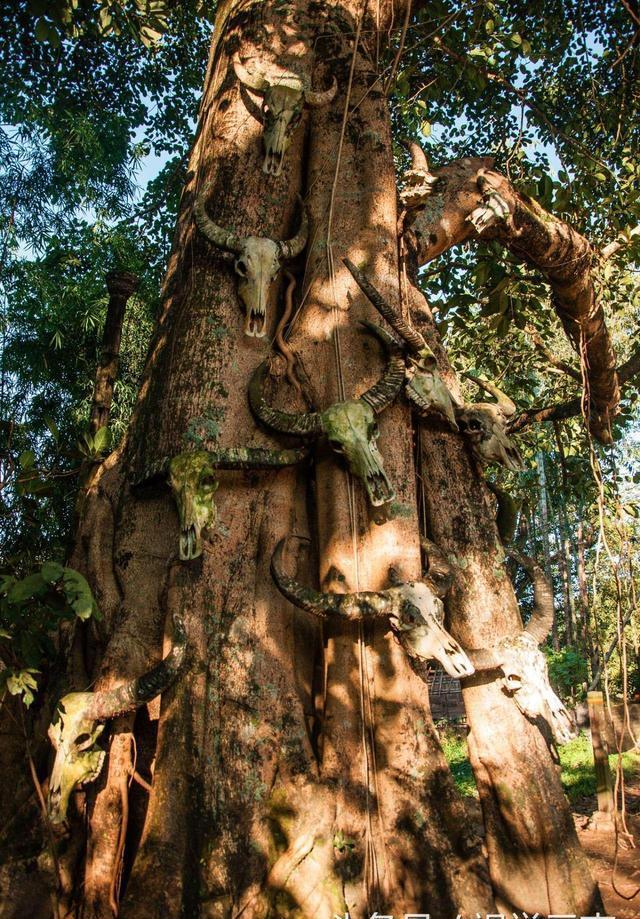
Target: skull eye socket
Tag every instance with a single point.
(473, 424)
(410, 615)
(241, 267)
(208, 483)
(513, 680)
(82, 740)
(336, 445)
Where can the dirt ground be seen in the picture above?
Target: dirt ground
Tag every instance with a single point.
(618, 880)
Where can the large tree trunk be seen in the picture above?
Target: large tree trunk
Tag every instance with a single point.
(295, 773)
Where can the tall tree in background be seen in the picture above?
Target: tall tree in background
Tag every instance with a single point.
(296, 770)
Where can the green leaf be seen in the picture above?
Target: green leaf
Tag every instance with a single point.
(101, 440)
(6, 583)
(43, 30)
(27, 459)
(52, 572)
(32, 586)
(149, 36)
(53, 427)
(21, 683)
(105, 20)
(78, 594)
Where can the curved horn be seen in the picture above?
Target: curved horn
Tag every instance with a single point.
(305, 424)
(419, 160)
(505, 404)
(256, 457)
(541, 621)
(219, 236)
(484, 659)
(292, 247)
(255, 81)
(388, 338)
(322, 97)
(356, 606)
(382, 393)
(313, 601)
(114, 702)
(414, 339)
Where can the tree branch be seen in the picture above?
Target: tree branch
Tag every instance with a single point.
(573, 407)
(121, 285)
(469, 200)
(619, 243)
(550, 357)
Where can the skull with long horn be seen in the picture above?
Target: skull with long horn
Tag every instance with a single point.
(192, 477)
(284, 95)
(484, 424)
(414, 609)
(349, 427)
(258, 260)
(80, 717)
(525, 675)
(424, 387)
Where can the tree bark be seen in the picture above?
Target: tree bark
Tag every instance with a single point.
(564, 558)
(565, 548)
(543, 508)
(589, 649)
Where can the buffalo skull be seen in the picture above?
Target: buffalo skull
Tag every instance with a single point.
(258, 260)
(525, 676)
(424, 386)
(192, 477)
(350, 427)
(414, 610)
(79, 720)
(484, 424)
(284, 95)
